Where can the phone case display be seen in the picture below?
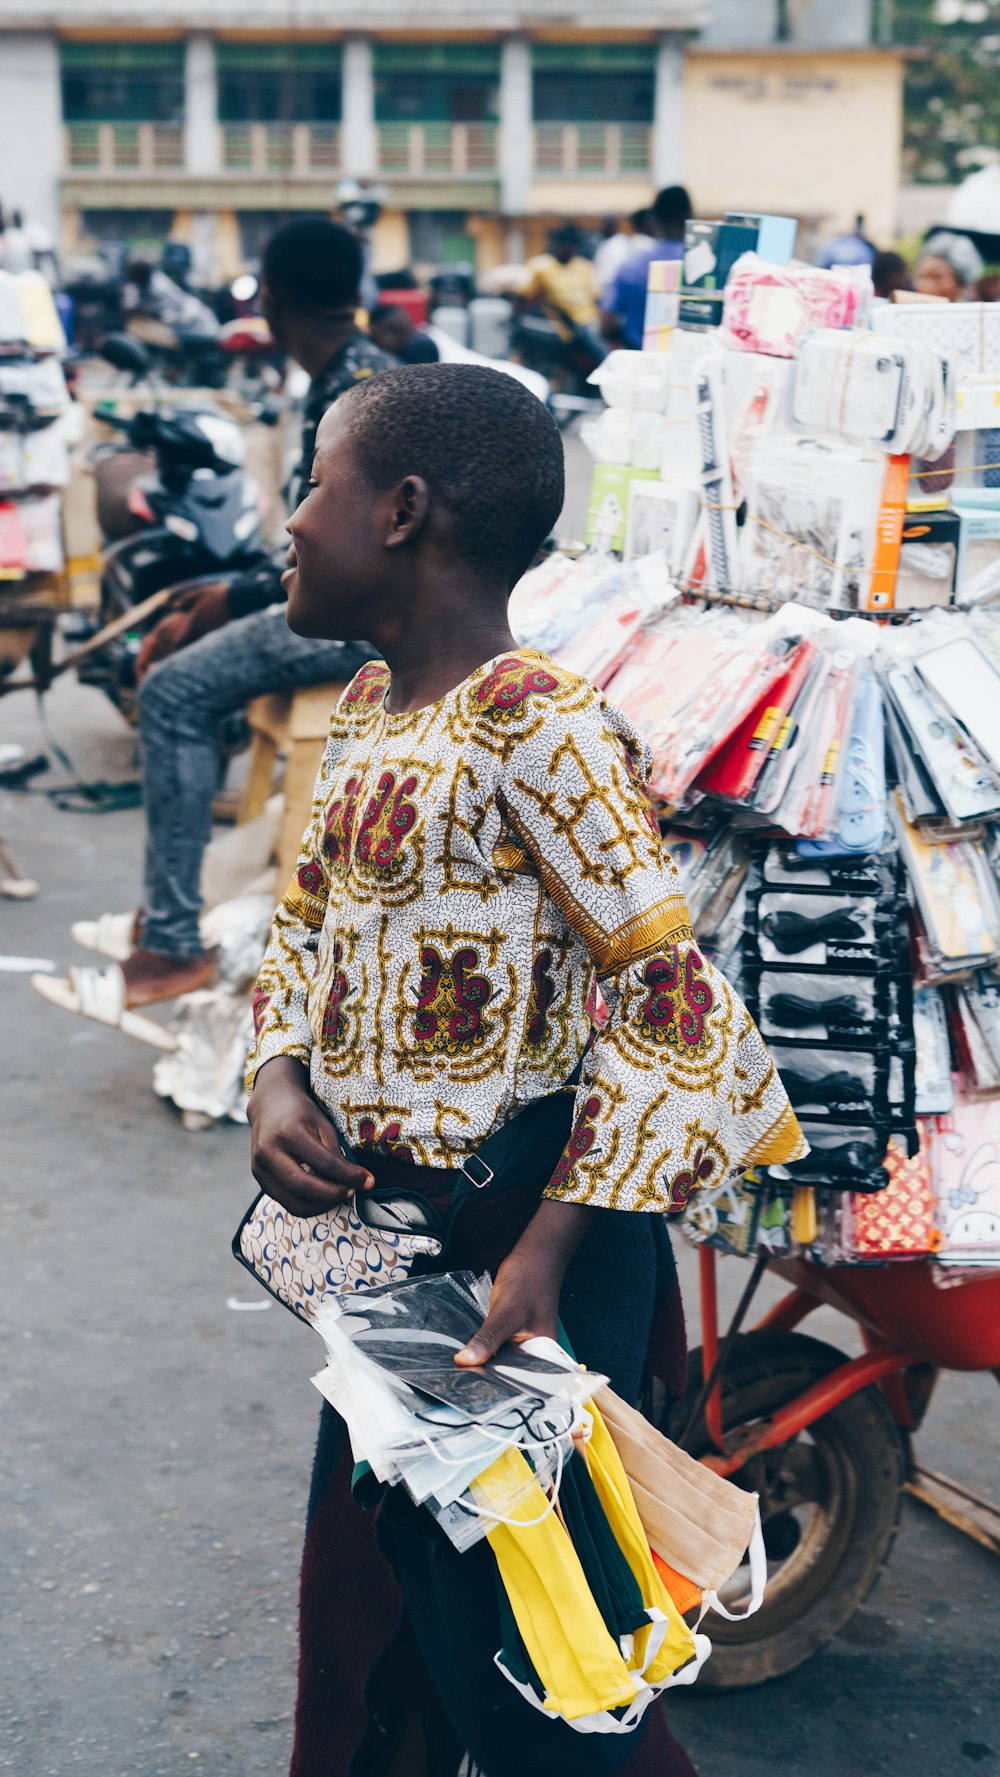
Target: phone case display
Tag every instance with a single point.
(965, 1161)
(901, 1221)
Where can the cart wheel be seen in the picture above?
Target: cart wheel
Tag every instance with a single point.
(830, 1501)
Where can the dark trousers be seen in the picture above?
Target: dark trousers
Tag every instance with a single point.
(397, 1637)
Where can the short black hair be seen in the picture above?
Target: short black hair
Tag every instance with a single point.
(314, 264)
(672, 206)
(482, 441)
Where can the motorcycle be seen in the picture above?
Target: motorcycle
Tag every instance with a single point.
(195, 516)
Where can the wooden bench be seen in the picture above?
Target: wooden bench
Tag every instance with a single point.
(295, 723)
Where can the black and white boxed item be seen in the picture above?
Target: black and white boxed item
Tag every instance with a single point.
(928, 561)
(661, 520)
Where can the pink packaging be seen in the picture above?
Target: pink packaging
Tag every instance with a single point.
(767, 308)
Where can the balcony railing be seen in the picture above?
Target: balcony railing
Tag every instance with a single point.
(438, 150)
(601, 149)
(124, 147)
(296, 148)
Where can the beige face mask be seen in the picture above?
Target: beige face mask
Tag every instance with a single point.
(696, 1521)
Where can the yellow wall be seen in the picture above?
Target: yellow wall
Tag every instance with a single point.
(810, 135)
(390, 242)
(589, 197)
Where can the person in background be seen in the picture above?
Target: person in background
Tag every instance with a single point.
(619, 241)
(988, 288)
(151, 291)
(849, 249)
(229, 642)
(562, 281)
(949, 266)
(624, 301)
(393, 331)
(890, 273)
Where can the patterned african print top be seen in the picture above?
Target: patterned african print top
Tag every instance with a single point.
(470, 871)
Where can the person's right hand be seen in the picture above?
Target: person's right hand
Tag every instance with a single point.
(294, 1152)
(191, 616)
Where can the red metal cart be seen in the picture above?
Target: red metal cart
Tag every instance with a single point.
(825, 1439)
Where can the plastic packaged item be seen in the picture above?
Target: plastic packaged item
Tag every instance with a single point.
(965, 1158)
(786, 866)
(829, 1008)
(634, 381)
(836, 931)
(842, 1157)
(957, 895)
(768, 308)
(899, 1222)
(965, 785)
(812, 510)
(661, 520)
(935, 1092)
(841, 1084)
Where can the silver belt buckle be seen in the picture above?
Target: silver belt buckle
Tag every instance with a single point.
(482, 1182)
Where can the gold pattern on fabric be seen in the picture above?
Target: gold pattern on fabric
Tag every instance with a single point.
(470, 869)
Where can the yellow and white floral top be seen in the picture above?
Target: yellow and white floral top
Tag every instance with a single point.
(470, 871)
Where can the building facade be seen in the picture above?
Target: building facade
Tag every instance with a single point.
(484, 125)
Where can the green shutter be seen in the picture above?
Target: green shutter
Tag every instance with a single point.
(122, 57)
(272, 57)
(457, 59)
(592, 58)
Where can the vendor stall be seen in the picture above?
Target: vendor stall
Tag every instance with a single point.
(794, 549)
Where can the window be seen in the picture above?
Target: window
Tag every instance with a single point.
(593, 83)
(122, 82)
(142, 231)
(436, 82)
(279, 82)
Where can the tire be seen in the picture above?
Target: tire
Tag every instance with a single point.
(830, 1503)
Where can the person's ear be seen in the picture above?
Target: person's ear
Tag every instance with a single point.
(409, 506)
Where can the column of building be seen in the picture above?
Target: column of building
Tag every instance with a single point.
(31, 126)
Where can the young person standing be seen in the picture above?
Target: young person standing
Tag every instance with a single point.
(482, 852)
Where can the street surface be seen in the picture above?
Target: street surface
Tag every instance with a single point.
(157, 1420)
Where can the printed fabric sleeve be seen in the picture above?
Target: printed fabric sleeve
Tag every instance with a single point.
(281, 994)
(678, 1090)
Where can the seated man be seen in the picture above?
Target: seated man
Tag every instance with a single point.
(482, 851)
(229, 644)
(563, 282)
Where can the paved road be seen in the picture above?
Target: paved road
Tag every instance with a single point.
(155, 1440)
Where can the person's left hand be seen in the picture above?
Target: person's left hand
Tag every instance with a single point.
(524, 1304)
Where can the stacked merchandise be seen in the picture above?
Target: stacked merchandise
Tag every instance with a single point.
(830, 787)
(34, 460)
(601, 1531)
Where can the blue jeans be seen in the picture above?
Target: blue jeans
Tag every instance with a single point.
(181, 703)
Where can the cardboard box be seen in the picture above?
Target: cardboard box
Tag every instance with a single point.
(607, 512)
(662, 304)
(775, 235)
(711, 249)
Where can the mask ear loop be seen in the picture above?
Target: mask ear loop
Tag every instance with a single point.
(476, 1511)
(757, 1556)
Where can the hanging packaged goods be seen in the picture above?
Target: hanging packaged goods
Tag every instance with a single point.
(790, 460)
